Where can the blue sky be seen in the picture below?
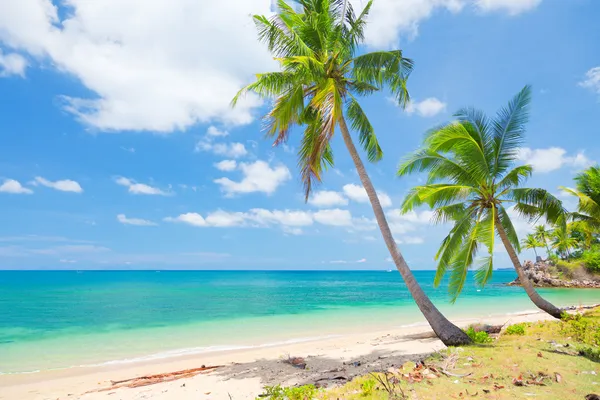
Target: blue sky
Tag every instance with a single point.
(119, 149)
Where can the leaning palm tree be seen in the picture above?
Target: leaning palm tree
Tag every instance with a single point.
(471, 183)
(531, 243)
(318, 87)
(542, 235)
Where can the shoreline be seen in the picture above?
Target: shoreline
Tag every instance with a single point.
(243, 372)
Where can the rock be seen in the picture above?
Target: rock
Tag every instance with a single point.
(541, 274)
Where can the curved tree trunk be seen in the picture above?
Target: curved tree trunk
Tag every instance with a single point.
(448, 333)
(534, 296)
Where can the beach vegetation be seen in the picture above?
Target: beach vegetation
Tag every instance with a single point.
(319, 87)
(546, 362)
(530, 242)
(516, 329)
(304, 392)
(473, 183)
(476, 336)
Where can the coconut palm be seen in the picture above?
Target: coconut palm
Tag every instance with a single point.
(542, 235)
(318, 88)
(530, 242)
(563, 241)
(587, 217)
(471, 182)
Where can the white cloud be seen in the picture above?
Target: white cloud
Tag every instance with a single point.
(134, 221)
(140, 188)
(338, 262)
(215, 132)
(12, 64)
(410, 240)
(327, 198)
(426, 108)
(334, 217)
(257, 177)
(65, 185)
(592, 80)
(391, 19)
(164, 72)
(359, 194)
(14, 187)
(552, 158)
(404, 223)
(512, 7)
(285, 217)
(226, 165)
(362, 260)
(194, 219)
(234, 150)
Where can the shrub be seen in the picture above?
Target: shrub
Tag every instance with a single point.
(581, 328)
(591, 259)
(368, 387)
(478, 337)
(306, 392)
(516, 329)
(589, 352)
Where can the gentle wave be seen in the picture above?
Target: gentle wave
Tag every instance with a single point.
(183, 352)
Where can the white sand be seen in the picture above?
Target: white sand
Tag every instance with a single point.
(253, 375)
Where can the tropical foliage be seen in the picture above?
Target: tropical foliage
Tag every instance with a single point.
(530, 242)
(473, 184)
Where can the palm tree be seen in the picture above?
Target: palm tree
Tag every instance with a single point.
(543, 235)
(587, 217)
(318, 87)
(563, 242)
(471, 183)
(530, 242)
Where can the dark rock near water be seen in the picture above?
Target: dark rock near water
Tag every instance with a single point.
(544, 274)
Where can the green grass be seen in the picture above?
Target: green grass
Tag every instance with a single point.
(549, 360)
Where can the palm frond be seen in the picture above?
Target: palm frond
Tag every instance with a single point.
(546, 204)
(462, 261)
(360, 123)
(509, 228)
(509, 130)
(515, 177)
(486, 234)
(428, 160)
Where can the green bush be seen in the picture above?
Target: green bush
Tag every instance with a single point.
(582, 329)
(306, 392)
(478, 337)
(589, 352)
(591, 259)
(368, 387)
(516, 329)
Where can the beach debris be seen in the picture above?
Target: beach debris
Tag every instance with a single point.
(158, 378)
(297, 362)
(518, 381)
(557, 377)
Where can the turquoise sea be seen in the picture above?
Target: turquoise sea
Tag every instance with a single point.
(60, 319)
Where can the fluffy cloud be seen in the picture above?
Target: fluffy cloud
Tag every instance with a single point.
(258, 176)
(390, 19)
(512, 7)
(335, 217)
(140, 188)
(134, 221)
(359, 194)
(14, 187)
(592, 80)
(404, 223)
(216, 132)
(426, 108)
(234, 150)
(327, 198)
(551, 159)
(12, 64)
(410, 240)
(226, 165)
(65, 185)
(153, 74)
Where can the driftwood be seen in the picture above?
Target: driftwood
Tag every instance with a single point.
(154, 379)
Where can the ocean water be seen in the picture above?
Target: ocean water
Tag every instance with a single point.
(61, 319)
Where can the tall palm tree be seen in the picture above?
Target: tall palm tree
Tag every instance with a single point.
(530, 242)
(318, 87)
(471, 182)
(543, 235)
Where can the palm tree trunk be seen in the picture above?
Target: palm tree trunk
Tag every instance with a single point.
(449, 334)
(534, 296)
(535, 251)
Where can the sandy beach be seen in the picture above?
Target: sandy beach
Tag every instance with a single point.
(243, 374)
